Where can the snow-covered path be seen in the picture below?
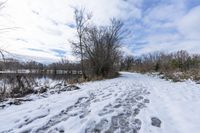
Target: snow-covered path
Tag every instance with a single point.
(124, 104)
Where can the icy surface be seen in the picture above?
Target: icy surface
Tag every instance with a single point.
(122, 105)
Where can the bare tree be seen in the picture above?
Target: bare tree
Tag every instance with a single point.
(2, 55)
(101, 46)
(128, 62)
(81, 20)
(1, 51)
(2, 4)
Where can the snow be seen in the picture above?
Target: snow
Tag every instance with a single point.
(176, 104)
(111, 105)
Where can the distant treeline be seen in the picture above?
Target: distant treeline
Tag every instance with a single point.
(166, 63)
(61, 67)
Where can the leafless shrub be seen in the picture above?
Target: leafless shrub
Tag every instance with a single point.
(97, 46)
(102, 47)
(176, 66)
(22, 86)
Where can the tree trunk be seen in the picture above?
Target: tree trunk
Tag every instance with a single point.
(82, 65)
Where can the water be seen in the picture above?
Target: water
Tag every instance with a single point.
(39, 76)
(22, 82)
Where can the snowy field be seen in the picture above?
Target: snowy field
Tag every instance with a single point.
(132, 103)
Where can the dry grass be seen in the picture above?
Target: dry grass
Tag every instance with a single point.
(193, 74)
(92, 78)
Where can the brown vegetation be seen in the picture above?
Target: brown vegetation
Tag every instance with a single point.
(178, 65)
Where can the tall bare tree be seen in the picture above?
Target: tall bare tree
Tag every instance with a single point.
(1, 51)
(101, 45)
(81, 20)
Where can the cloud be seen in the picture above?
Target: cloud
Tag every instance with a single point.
(189, 24)
(33, 49)
(48, 24)
(44, 27)
(59, 52)
(170, 26)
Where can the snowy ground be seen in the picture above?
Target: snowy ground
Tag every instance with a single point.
(125, 104)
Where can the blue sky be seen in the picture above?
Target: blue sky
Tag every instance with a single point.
(43, 28)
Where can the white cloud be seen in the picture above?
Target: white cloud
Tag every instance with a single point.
(44, 24)
(189, 24)
(191, 46)
(127, 51)
(171, 27)
(164, 15)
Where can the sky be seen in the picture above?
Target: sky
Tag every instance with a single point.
(41, 29)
